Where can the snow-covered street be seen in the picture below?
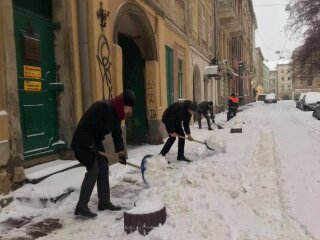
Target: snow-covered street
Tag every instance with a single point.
(262, 183)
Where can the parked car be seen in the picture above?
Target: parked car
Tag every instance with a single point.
(316, 112)
(309, 101)
(299, 100)
(262, 97)
(270, 98)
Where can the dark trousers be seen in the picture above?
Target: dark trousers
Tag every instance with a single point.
(206, 117)
(231, 113)
(99, 172)
(171, 140)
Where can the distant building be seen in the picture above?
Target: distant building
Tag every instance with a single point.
(284, 70)
(258, 79)
(273, 76)
(266, 78)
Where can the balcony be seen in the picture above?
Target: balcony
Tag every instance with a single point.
(228, 16)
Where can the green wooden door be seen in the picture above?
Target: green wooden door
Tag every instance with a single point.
(134, 79)
(169, 68)
(36, 80)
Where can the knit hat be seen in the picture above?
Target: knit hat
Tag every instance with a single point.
(129, 98)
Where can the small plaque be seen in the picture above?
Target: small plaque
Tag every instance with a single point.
(31, 49)
(32, 86)
(32, 72)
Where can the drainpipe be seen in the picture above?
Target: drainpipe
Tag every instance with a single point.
(84, 54)
(215, 14)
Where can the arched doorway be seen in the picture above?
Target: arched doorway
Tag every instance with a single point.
(134, 34)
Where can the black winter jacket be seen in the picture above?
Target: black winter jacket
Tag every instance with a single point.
(204, 107)
(176, 115)
(99, 120)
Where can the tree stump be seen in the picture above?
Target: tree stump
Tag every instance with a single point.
(144, 222)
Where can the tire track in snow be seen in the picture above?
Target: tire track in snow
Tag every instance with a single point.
(267, 201)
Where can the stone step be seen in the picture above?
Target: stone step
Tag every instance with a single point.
(40, 172)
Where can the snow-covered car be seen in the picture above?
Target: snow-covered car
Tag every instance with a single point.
(309, 101)
(299, 100)
(316, 112)
(270, 98)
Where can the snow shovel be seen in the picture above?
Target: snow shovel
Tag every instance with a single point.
(205, 143)
(219, 126)
(141, 167)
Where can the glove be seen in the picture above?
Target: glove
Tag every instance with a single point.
(213, 121)
(94, 149)
(189, 137)
(123, 159)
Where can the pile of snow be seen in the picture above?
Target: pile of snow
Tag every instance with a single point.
(156, 170)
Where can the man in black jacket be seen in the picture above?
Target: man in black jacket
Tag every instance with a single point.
(102, 117)
(203, 109)
(173, 117)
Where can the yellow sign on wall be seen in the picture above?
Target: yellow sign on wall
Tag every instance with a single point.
(32, 86)
(32, 72)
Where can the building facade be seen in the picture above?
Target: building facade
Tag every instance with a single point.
(284, 71)
(201, 32)
(266, 79)
(58, 57)
(236, 43)
(258, 82)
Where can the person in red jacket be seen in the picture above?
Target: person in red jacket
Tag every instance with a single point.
(233, 104)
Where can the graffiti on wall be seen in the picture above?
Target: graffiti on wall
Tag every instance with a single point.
(103, 53)
(151, 98)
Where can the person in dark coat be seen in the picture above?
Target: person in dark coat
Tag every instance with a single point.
(203, 109)
(233, 104)
(174, 117)
(102, 117)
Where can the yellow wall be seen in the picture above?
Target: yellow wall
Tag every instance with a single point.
(181, 48)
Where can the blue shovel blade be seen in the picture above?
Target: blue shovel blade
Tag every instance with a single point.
(143, 166)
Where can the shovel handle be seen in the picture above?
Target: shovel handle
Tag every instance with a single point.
(194, 140)
(204, 143)
(116, 159)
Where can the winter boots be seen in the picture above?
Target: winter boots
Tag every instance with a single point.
(183, 158)
(108, 206)
(85, 212)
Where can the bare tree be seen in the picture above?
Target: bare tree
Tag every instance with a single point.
(305, 19)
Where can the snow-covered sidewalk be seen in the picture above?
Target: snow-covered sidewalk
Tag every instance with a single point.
(234, 192)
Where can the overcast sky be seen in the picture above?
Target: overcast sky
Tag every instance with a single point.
(271, 35)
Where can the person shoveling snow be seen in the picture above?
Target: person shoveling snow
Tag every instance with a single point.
(173, 117)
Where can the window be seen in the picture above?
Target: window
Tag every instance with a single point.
(282, 88)
(288, 78)
(289, 88)
(180, 78)
(282, 78)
